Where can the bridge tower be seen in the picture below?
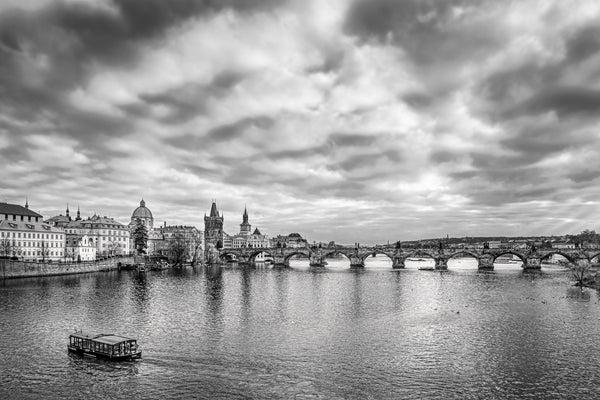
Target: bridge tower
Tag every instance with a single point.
(245, 226)
(213, 226)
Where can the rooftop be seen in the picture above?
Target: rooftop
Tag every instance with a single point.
(106, 338)
(15, 209)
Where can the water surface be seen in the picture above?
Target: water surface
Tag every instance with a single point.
(302, 333)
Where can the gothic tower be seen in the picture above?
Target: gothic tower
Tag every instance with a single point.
(213, 226)
(245, 225)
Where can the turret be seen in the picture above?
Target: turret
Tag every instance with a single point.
(245, 225)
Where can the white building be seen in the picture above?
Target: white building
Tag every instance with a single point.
(110, 237)
(23, 234)
(245, 238)
(80, 248)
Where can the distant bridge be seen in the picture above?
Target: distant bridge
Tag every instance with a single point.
(532, 258)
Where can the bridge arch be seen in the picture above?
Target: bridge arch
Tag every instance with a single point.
(256, 252)
(420, 254)
(224, 254)
(569, 257)
(298, 252)
(375, 253)
(336, 252)
(463, 259)
(514, 253)
(464, 253)
(593, 256)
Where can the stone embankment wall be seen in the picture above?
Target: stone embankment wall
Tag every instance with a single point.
(23, 269)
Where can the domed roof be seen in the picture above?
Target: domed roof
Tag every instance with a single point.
(142, 211)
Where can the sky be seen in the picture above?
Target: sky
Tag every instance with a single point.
(355, 121)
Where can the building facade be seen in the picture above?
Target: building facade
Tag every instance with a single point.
(111, 237)
(293, 240)
(244, 238)
(24, 235)
(213, 227)
(146, 218)
(189, 236)
(80, 248)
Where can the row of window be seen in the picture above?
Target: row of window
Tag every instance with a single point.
(32, 235)
(123, 232)
(38, 253)
(14, 217)
(37, 244)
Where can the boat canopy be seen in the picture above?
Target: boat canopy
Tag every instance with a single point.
(106, 338)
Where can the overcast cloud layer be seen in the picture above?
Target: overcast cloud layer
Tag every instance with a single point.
(352, 121)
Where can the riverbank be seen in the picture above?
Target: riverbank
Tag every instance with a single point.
(10, 269)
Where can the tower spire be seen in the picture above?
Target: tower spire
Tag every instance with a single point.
(26, 202)
(213, 209)
(67, 209)
(78, 213)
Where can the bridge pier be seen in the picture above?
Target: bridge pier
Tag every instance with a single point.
(441, 263)
(398, 262)
(485, 263)
(533, 262)
(316, 261)
(279, 261)
(356, 262)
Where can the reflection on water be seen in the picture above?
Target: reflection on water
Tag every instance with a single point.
(306, 332)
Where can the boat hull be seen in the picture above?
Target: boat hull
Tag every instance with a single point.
(90, 353)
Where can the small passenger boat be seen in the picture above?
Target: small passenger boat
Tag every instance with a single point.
(104, 345)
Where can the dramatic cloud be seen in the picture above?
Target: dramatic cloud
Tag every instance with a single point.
(355, 121)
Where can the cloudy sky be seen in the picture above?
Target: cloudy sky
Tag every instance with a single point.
(366, 120)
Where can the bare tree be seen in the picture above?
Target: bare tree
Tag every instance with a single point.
(195, 244)
(44, 250)
(580, 272)
(70, 253)
(113, 248)
(7, 247)
(178, 249)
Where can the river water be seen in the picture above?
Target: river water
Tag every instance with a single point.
(299, 333)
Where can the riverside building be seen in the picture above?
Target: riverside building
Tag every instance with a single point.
(110, 237)
(24, 235)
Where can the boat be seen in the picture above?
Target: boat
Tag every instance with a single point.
(141, 267)
(426, 268)
(104, 345)
(507, 259)
(159, 266)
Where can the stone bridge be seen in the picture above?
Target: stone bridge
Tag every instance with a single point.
(532, 258)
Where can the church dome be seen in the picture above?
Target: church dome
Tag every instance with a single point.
(142, 212)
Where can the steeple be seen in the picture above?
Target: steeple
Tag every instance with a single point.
(78, 214)
(245, 225)
(213, 210)
(26, 202)
(67, 210)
